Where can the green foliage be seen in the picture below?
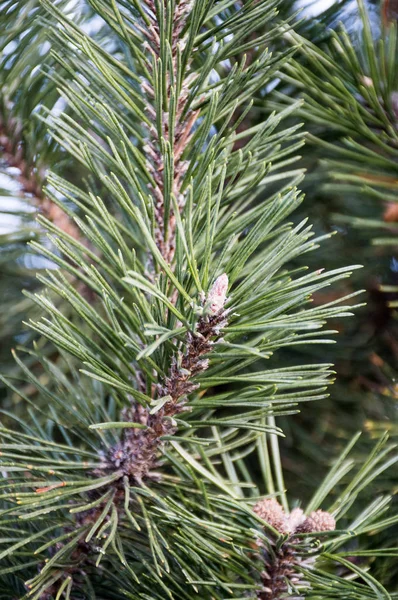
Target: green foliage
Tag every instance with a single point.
(349, 87)
(27, 153)
(172, 284)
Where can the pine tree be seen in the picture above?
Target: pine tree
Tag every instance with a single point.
(143, 460)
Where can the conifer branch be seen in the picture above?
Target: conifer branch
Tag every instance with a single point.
(169, 207)
(174, 121)
(131, 461)
(137, 454)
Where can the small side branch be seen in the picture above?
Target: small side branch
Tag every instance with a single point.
(30, 178)
(137, 453)
(283, 567)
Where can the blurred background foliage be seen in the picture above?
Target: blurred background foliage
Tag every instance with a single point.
(348, 79)
(27, 153)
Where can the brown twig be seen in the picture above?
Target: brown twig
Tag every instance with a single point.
(31, 182)
(137, 453)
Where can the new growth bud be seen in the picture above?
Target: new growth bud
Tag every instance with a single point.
(218, 294)
(271, 511)
(282, 565)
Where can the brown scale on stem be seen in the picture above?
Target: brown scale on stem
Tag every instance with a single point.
(137, 453)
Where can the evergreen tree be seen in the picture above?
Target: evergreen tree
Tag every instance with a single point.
(142, 459)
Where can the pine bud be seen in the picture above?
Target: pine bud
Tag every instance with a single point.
(367, 81)
(317, 521)
(271, 511)
(218, 294)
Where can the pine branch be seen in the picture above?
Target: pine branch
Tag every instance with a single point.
(28, 150)
(298, 551)
(137, 454)
(356, 120)
(174, 121)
